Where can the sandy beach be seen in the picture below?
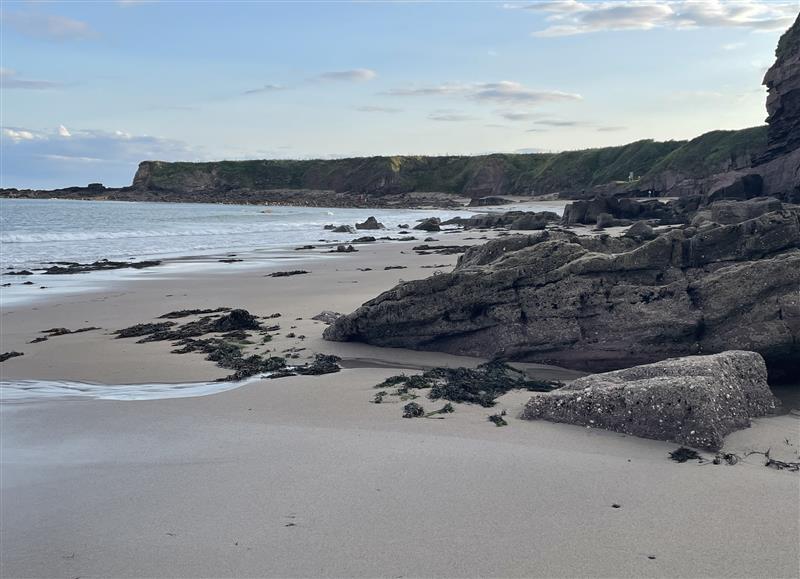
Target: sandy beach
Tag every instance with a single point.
(302, 476)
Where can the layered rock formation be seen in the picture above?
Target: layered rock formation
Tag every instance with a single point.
(783, 99)
(604, 303)
(696, 400)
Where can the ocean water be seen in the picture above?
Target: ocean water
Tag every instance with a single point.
(34, 233)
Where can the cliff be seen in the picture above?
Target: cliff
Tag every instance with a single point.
(783, 99)
(571, 172)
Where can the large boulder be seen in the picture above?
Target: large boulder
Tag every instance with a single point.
(602, 303)
(695, 400)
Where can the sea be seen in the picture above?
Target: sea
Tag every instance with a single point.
(34, 233)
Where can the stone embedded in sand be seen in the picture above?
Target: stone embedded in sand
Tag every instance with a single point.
(696, 400)
(327, 316)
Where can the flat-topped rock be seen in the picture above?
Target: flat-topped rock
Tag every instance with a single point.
(695, 400)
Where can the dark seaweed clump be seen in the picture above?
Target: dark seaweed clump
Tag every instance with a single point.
(481, 385)
(684, 454)
(227, 348)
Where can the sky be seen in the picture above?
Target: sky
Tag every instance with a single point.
(89, 89)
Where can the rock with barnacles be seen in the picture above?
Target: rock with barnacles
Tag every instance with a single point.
(695, 400)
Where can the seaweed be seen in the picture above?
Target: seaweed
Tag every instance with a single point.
(413, 410)
(684, 454)
(497, 420)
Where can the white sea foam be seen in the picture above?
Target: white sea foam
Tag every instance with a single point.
(30, 390)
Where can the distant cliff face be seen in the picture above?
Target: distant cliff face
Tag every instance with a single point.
(571, 172)
(783, 101)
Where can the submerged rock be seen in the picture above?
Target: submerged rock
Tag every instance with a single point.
(695, 401)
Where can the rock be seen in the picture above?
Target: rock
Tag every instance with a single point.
(8, 355)
(343, 229)
(344, 249)
(20, 272)
(727, 212)
(486, 201)
(327, 316)
(67, 267)
(641, 231)
(370, 223)
(783, 96)
(365, 239)
(744, 186)
(695, 400)
(429, 224)
(600, 304)
(604, 220)
(403, 226)
(516, 220)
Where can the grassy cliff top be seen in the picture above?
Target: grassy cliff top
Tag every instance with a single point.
(510, 174)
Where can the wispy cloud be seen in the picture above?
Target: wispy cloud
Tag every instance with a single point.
(267, 88)
(514, 93)
(49, 26)
(504, 92)
(569, 17)
(450, 116)
(377, 109)
(10, 80)
(542, 125)
(353, 75)
(518, 115)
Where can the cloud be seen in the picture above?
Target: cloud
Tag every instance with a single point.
(18, 134)
(611, 129)
(504, 92)
(10, 80)
(513, 92)
(267, 88)
(376, 109)
(518, 115)
(49, 26)
(450, 116)
(354, 75)
(62, 157)
(572, 17)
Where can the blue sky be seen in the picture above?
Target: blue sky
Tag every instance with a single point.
(91, 88)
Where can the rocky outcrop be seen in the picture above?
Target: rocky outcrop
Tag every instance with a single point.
(587, 212)
(695, 400)
(488, 201)
(783, 99)
(515, 220)
(604, 303)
